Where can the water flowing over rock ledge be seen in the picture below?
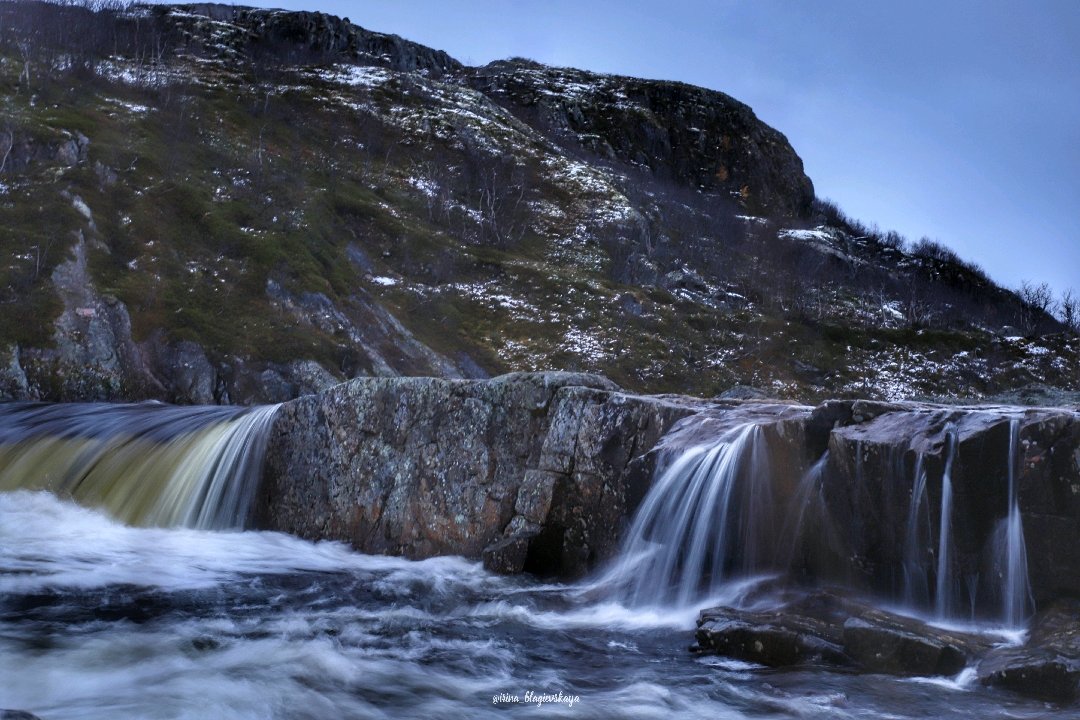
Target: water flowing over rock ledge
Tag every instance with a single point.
(542, 472)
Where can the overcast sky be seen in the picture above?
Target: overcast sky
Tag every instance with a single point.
(956, 120)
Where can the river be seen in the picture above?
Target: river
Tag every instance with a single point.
(103, 620)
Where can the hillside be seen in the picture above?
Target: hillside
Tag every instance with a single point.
(209, 203)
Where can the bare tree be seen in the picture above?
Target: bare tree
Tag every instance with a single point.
(500, 194)
(1036, 303)
(7, 142)
(1069, 310)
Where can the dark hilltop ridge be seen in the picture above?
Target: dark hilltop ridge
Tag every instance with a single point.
(219, 204)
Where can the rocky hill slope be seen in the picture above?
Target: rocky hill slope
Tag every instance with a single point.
(209, 203)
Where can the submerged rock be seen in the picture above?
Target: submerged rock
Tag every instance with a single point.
(774, 639)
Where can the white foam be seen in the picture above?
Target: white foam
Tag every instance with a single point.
(46, 542)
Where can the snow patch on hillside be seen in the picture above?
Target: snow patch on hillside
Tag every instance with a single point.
(359, 76)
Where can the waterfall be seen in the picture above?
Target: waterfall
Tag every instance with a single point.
(146, 464)
(705, 518)
(916, 590)
(1016, 587)
(943, 596)
(808, 497)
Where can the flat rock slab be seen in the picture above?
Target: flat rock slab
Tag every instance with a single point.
(896, 651)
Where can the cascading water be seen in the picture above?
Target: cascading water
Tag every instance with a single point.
(943, 592)
(146, 464)
(916, 586)
(808, 500)
(1012, 551)
(722, 510)
(704, 517)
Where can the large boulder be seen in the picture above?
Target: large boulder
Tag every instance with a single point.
(530, 471)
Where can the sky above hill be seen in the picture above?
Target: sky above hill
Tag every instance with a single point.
(954, 120)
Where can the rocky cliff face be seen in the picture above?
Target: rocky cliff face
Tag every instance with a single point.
(698, 138)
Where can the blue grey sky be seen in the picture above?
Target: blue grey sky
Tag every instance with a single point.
(959, 120)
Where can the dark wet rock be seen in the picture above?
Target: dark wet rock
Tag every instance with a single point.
(1035, 673)
(774, 639)
(901, 651)
(870, 477)
(510, 555)
(1047, 666)
(828, 628)
(556, 464)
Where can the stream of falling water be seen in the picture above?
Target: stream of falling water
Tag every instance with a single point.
(1016, 589)
(943, 603)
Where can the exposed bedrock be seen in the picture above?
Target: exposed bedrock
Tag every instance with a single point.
(531, 471)
(542, 472)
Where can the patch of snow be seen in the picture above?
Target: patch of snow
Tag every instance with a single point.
(131, 107)
(355, 75)
(384, 281)
(581, 343)
(428, 187)
(891, 309)
(136, 75)
(819, 235)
